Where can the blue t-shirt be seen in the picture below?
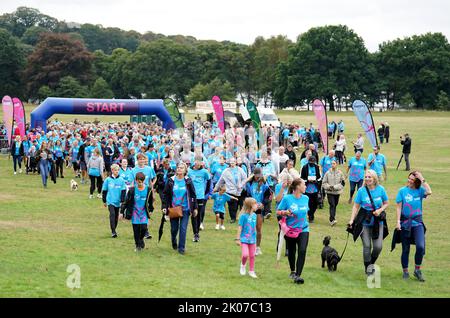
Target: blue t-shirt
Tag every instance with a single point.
(217, 170)
(378, 164)
(248, 223)
(255, 193)
(303, 162)
(325, 162)
(411, 200)
(127, 176)
(267, 170)
(17, 149)
(285, 133)
(277, 192)
(299, 208)
(180, 194)
(74, 154)
(357, 168)
(199, 178)
(219, 202)
(114, 187)
(379, 196)
(312, 187)
(139, 215)
(58, 151)
(341, 126)
(148, 171)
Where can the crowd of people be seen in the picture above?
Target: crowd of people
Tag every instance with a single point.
(129, 164)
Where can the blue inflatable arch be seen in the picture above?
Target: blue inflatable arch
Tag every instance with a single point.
(86, 106)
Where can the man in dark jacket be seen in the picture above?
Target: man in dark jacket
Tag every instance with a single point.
(406, 149)
(291, 154)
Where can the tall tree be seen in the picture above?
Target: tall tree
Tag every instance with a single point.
(326, 62)
(101, 89)
(12, 61)
(24, 18)
(161, 69)
(57, 56)
(201, 92)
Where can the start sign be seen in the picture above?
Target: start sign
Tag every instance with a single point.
(96, 107)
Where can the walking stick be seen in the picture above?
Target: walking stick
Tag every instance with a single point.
(399, 161)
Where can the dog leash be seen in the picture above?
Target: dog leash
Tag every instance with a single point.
(342, 255)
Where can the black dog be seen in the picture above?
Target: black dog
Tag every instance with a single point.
(330, 255)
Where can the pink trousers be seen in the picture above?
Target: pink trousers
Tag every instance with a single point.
(249, 251)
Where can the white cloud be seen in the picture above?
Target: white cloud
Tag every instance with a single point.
(243, 20)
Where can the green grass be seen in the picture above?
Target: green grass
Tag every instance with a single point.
(44, 231)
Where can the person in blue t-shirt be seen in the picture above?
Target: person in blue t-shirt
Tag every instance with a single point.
(201, 179)
(58, 152)
(377, 162)
(355, 170)
(113, 194)
(126, 173)
(294, 207)
(217, 169)
(220, 198)
(281, 190)
(246, 236)
(410, 221)
(139, 207)
(73, 154)
(311, 174)
(372, 246)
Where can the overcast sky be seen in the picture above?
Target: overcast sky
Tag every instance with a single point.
(243, 20)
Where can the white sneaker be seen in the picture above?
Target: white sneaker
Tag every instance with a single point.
(91, 196)
(15, 172)
(99, 196)
(217, 226)
(258, 251)
(202, 227)
(222, 227)
(20, 170)
(242, 270)
(333, 223)
(252, 274)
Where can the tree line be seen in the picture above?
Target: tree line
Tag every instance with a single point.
(41, 56)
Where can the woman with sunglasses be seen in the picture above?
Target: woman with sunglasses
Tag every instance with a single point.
(409, 220)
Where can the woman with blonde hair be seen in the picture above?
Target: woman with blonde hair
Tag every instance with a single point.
(369, 218)
(17, 153)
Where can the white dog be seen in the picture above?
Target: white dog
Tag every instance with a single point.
(73, 185)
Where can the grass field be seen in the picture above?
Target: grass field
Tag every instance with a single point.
(42, 232)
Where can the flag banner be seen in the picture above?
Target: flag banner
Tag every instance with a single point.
(256, 121)
(174, 113)
(218, 110)
(8, 114)
(321, 115)
(365, 118)
(19, 116)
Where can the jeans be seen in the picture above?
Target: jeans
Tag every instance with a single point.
(333, 200)
(419, 237)
(17, 160)
(300, 243)
(406, 155)
(181, 224)
(371, 254)
(43, 168)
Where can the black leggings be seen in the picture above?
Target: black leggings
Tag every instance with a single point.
(233, 207)
(313, 201)
(59, 166)
(113, 217)
(17, 160)
(201, 203)
(139, 231)
(301, 242)
(99, 184)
